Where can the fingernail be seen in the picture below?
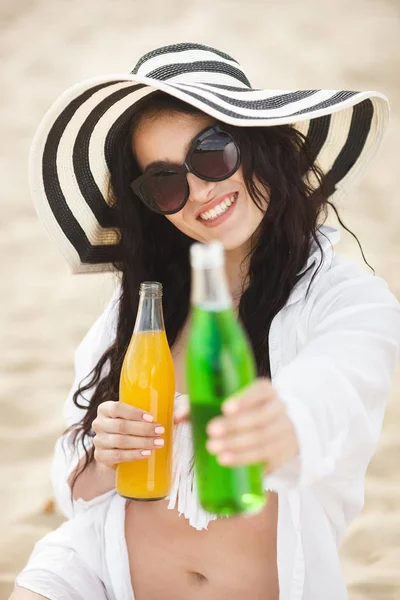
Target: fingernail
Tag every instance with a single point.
(146, 452)
(159, 430)
(159, 442)
(214, 446)
(215, 429)
(148, 418)
(225, 459)
(230, 407)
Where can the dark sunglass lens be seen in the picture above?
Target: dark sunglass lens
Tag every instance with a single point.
(165, 190)
(216, 156)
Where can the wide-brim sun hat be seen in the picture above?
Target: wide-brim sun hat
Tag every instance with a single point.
(70, 153)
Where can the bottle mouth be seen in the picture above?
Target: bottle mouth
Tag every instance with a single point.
(151, 289)
(207, 256)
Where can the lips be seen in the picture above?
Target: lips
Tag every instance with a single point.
(213, 204)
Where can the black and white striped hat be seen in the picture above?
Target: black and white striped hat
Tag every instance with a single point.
(70, 152)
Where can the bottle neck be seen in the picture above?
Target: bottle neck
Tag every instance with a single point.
(150, 314)
(210, 289)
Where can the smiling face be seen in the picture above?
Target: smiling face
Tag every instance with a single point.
(167, 137)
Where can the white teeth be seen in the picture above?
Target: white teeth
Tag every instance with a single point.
(218, 210)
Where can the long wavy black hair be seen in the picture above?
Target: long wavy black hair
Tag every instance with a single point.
(152, 248)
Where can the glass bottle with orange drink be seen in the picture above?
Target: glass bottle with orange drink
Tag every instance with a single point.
(147, 381)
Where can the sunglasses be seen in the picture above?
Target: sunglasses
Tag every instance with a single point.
(213, 156)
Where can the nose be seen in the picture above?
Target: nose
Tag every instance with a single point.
(200, 190)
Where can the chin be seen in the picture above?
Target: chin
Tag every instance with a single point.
(234, 241)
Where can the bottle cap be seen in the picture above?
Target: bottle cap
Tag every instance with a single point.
(207, 256)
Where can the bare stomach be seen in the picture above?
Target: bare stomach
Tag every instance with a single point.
(170, 560)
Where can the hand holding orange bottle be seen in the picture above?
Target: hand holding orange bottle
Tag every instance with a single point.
(124, 433)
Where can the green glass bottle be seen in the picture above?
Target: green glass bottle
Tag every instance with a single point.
(219, 362)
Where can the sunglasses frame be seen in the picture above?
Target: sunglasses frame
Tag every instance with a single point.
(185, 168)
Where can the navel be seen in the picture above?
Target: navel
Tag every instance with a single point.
(197, 577)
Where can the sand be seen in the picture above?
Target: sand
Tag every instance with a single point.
(46, 46)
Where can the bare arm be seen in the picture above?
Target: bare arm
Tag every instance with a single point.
(95, 480)
(66, 454)
(123, 433)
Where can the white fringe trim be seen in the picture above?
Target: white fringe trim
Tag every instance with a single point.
(183, 493)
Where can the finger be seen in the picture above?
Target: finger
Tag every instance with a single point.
(127, 442)
(180, 417)
(111, 458)
(263, 437)
(244, 442)
(250, 457)
(115, 410)
(256, 417)
(126, 427)
(275, 454)
(183, 411)
(260, 391)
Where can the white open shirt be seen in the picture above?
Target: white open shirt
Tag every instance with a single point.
(333, 352)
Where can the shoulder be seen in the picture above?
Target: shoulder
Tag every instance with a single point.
(330, 277)
(344, 280)
(345, 292)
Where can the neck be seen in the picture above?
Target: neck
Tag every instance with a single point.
(236, 269)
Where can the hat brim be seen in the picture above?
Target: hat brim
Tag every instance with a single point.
(68, 166)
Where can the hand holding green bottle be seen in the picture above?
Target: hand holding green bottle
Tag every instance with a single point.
(254, 428)
(220, 366)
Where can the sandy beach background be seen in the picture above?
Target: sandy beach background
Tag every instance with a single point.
(46, 46)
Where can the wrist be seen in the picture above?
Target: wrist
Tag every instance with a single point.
(102, 469)
(94, 481)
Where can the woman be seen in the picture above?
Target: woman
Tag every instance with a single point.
(129, 171)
